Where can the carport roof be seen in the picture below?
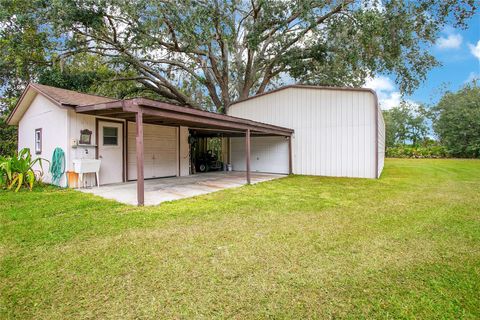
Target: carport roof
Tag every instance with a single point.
(162, 113)
(155, 112)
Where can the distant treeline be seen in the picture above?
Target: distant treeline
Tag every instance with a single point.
(449, 129)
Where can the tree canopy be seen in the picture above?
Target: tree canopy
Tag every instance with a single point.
(212, 53)
(457, 121)
(406, 124)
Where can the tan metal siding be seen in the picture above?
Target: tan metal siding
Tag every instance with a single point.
(160, 149)
(334, 130)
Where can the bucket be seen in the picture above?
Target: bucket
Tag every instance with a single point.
(229, 167)
(72, 179)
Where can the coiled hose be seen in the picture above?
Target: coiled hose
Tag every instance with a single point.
(57, 167)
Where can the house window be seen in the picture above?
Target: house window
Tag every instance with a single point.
(110, 136)
(38, 141)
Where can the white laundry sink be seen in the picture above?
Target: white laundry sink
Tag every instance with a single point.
(82, 166)
(86, 165)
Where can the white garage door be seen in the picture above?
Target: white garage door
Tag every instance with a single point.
(267, 154)
(160, 148)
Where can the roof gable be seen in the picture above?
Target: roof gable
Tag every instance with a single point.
(60, 97)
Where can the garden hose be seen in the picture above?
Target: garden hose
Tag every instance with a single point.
(57, 167)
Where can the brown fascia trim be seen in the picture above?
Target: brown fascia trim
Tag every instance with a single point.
(134, 105)
(208, 114)
(304, 86)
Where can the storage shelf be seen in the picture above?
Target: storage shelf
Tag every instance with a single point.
(84, 146)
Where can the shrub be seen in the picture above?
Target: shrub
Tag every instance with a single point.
(17, 171)
(406, 151)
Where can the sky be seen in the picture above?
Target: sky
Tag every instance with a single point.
(459, 53)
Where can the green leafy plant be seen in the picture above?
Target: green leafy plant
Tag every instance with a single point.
(409, 151)
(17, 171)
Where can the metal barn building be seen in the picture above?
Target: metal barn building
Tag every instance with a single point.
(338, 132)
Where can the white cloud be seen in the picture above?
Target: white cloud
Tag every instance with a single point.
(388, 96)
(390, 100)
(380, 83)
(475, 49)
(452, 41)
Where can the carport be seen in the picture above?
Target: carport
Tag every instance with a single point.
(141, 110)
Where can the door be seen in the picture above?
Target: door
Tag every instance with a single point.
(110, 151)
(160, 151)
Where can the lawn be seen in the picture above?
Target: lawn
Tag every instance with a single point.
(406, 245)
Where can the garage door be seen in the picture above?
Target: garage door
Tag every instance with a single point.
(160, 149)
(267, 154)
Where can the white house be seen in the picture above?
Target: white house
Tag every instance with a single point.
(296, 129)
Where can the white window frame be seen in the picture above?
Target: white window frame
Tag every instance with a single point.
(38, 141)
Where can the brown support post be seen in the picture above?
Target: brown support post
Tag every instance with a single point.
(290, 166)
(140, 160)
(247, 154)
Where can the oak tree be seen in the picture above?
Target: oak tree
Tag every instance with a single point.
(210, 53)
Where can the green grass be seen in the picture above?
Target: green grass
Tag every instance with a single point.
(404, 246)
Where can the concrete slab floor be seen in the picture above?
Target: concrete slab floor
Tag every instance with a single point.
(168, 189)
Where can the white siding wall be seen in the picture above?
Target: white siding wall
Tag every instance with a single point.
(52, 119)
(78, 122)
(334, 129)
(267, 154)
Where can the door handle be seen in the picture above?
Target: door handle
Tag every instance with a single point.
(100, 157)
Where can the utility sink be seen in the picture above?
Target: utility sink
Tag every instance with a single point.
(82, 166)
(86, 165)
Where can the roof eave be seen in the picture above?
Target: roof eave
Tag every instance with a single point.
(160, 109)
